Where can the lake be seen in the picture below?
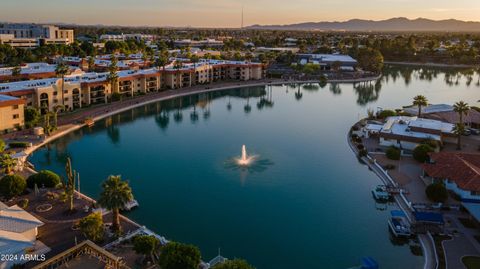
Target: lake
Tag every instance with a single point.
(304, 203)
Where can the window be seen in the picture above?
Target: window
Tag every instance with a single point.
(15, 106)
(475, 193)
(16, 116)
(55, 93)
(66, 98)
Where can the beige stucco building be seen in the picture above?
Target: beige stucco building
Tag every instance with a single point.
(11, 113)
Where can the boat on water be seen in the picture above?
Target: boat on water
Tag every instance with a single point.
(367, 263)
(380, 193)
(130, 205)
(399, 224)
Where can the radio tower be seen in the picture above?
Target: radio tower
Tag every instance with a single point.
(241, 28)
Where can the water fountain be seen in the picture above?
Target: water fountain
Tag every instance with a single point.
(245, 160)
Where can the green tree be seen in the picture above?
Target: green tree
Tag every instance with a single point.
(393, 153)
(437, 192)
(420, 101)
(234, 264)
(386, 113)
(179, 256)
(16, 71)
(7, 163)
(112, 76)
(420, 153)
(146, 245)
(56, 109)
(2, 145)
(162, 59)
(92, 226)
(61, 70)
(459, 130)
(370, 60)
(70, 184)
(44, 178)
(32, 117)
(114, 196)
(12, 185)
(91, 64)
(462, 109)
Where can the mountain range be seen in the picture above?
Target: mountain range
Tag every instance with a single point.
(394, 24)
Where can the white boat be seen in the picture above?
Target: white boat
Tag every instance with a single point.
(380, 193)
(398, 224)
(130, 205)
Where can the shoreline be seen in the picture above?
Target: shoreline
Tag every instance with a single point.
(425, 240)
(430, 64)
(171, 94)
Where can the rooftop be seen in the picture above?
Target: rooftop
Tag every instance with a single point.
(400, 125)
(462, 168)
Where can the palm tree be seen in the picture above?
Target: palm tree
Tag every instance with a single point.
(462, 109)
(7, 162)
(112, 76)
(56, 109)
(114, 196)
(420, 101)
(177, 66)
(16, 71)
(459, 130)
(91, 64)
(61, 70)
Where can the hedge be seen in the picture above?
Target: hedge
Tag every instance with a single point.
(12, 185)
(393, 153)
(44, 178)
(19, 144)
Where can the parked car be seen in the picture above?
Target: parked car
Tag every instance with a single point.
(474, 131)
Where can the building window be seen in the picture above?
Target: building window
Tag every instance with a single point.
(16, 116)
(15, 106)
(474, 193)
(55, 93)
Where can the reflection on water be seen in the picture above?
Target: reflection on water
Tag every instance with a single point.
(258, 166)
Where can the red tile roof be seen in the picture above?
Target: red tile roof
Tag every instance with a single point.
(462, 168)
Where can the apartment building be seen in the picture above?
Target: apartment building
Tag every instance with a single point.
(84, 89)
(31, 71)
(11, 113)
(29, 35)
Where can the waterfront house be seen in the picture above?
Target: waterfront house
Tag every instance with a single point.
(18, 233)
(459, 171)
(408, 132)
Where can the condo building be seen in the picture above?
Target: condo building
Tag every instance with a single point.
(84, 89)
(11, 113)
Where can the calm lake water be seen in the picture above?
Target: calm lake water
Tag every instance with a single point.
(305, 203)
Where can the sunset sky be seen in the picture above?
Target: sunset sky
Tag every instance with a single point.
(227, 13)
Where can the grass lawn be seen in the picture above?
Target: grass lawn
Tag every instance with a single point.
(471, 262)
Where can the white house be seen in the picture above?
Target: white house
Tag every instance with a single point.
(18, 233)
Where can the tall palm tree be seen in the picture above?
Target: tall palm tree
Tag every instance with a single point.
(462, 109)
(61, 70)
(459, 130)
(114, 196)
(112, 76)
(420, 101)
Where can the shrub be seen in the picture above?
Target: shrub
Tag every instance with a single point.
(234, 264)
(437, 192)
(176, 255)
(23, 203)
(389, 167)
(386, 113)
(2, 145)
(420, 153)
(362, 153)
(12, 185)
(145, 244)
(354, 136)
(360, 146)
(44, 178)
(393, 153)
(92, 226)
(19, 144)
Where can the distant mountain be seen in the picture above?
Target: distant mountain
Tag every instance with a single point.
(394, 24)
